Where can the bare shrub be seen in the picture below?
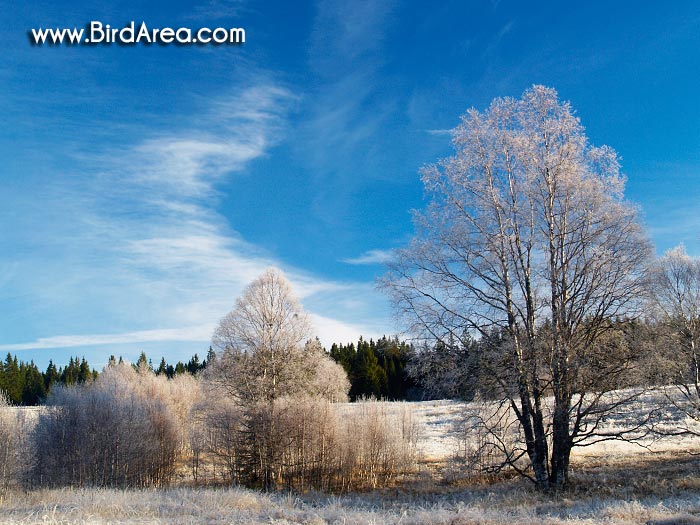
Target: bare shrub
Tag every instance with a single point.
(124, 429)
(377, 446)
(675, 294)
(307, 442)
(13, 453)
(307, 437)
(282, 440)
(340, 447)
(329, 380)
(224, 441)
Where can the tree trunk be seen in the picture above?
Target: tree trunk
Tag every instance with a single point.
(561, 446)
(539, 458)
(539, 465)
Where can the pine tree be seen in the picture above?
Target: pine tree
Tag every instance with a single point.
(13, 382)
(51, 376)
(33, 391)
(84, 372)
(143, 363)
(162, 367)
(211, 357)
(370, 378)
(69, 374)
(193, 365)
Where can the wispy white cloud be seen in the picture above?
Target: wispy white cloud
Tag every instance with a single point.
(351, 30)
(439, 131)
(346, 114)
(194, 333)
(228, 134)
(371, 257)
(190, 244)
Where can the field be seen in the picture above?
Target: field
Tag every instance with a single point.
(611, 482)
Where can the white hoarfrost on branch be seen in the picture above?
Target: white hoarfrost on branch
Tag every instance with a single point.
(261, 350)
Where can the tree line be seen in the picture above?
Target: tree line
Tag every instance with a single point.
(375, 370)
(388, 369)
(24, 384)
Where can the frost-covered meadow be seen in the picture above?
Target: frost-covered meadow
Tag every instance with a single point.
(611, 482)
(506, 504)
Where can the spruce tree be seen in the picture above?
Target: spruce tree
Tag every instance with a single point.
(162, 367)
(51, 376)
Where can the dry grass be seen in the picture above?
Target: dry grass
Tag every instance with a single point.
(655, 488)
(657, 491)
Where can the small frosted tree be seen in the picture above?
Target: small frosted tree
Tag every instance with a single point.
(261, 360)
(329, 381)
(260, 342)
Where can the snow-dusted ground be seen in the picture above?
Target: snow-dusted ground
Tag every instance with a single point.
(29, 413)
(440, 428)
(438, 423)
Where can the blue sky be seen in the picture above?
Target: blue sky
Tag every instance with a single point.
(143, 187)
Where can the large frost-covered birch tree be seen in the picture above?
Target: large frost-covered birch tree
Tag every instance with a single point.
(528, 242)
